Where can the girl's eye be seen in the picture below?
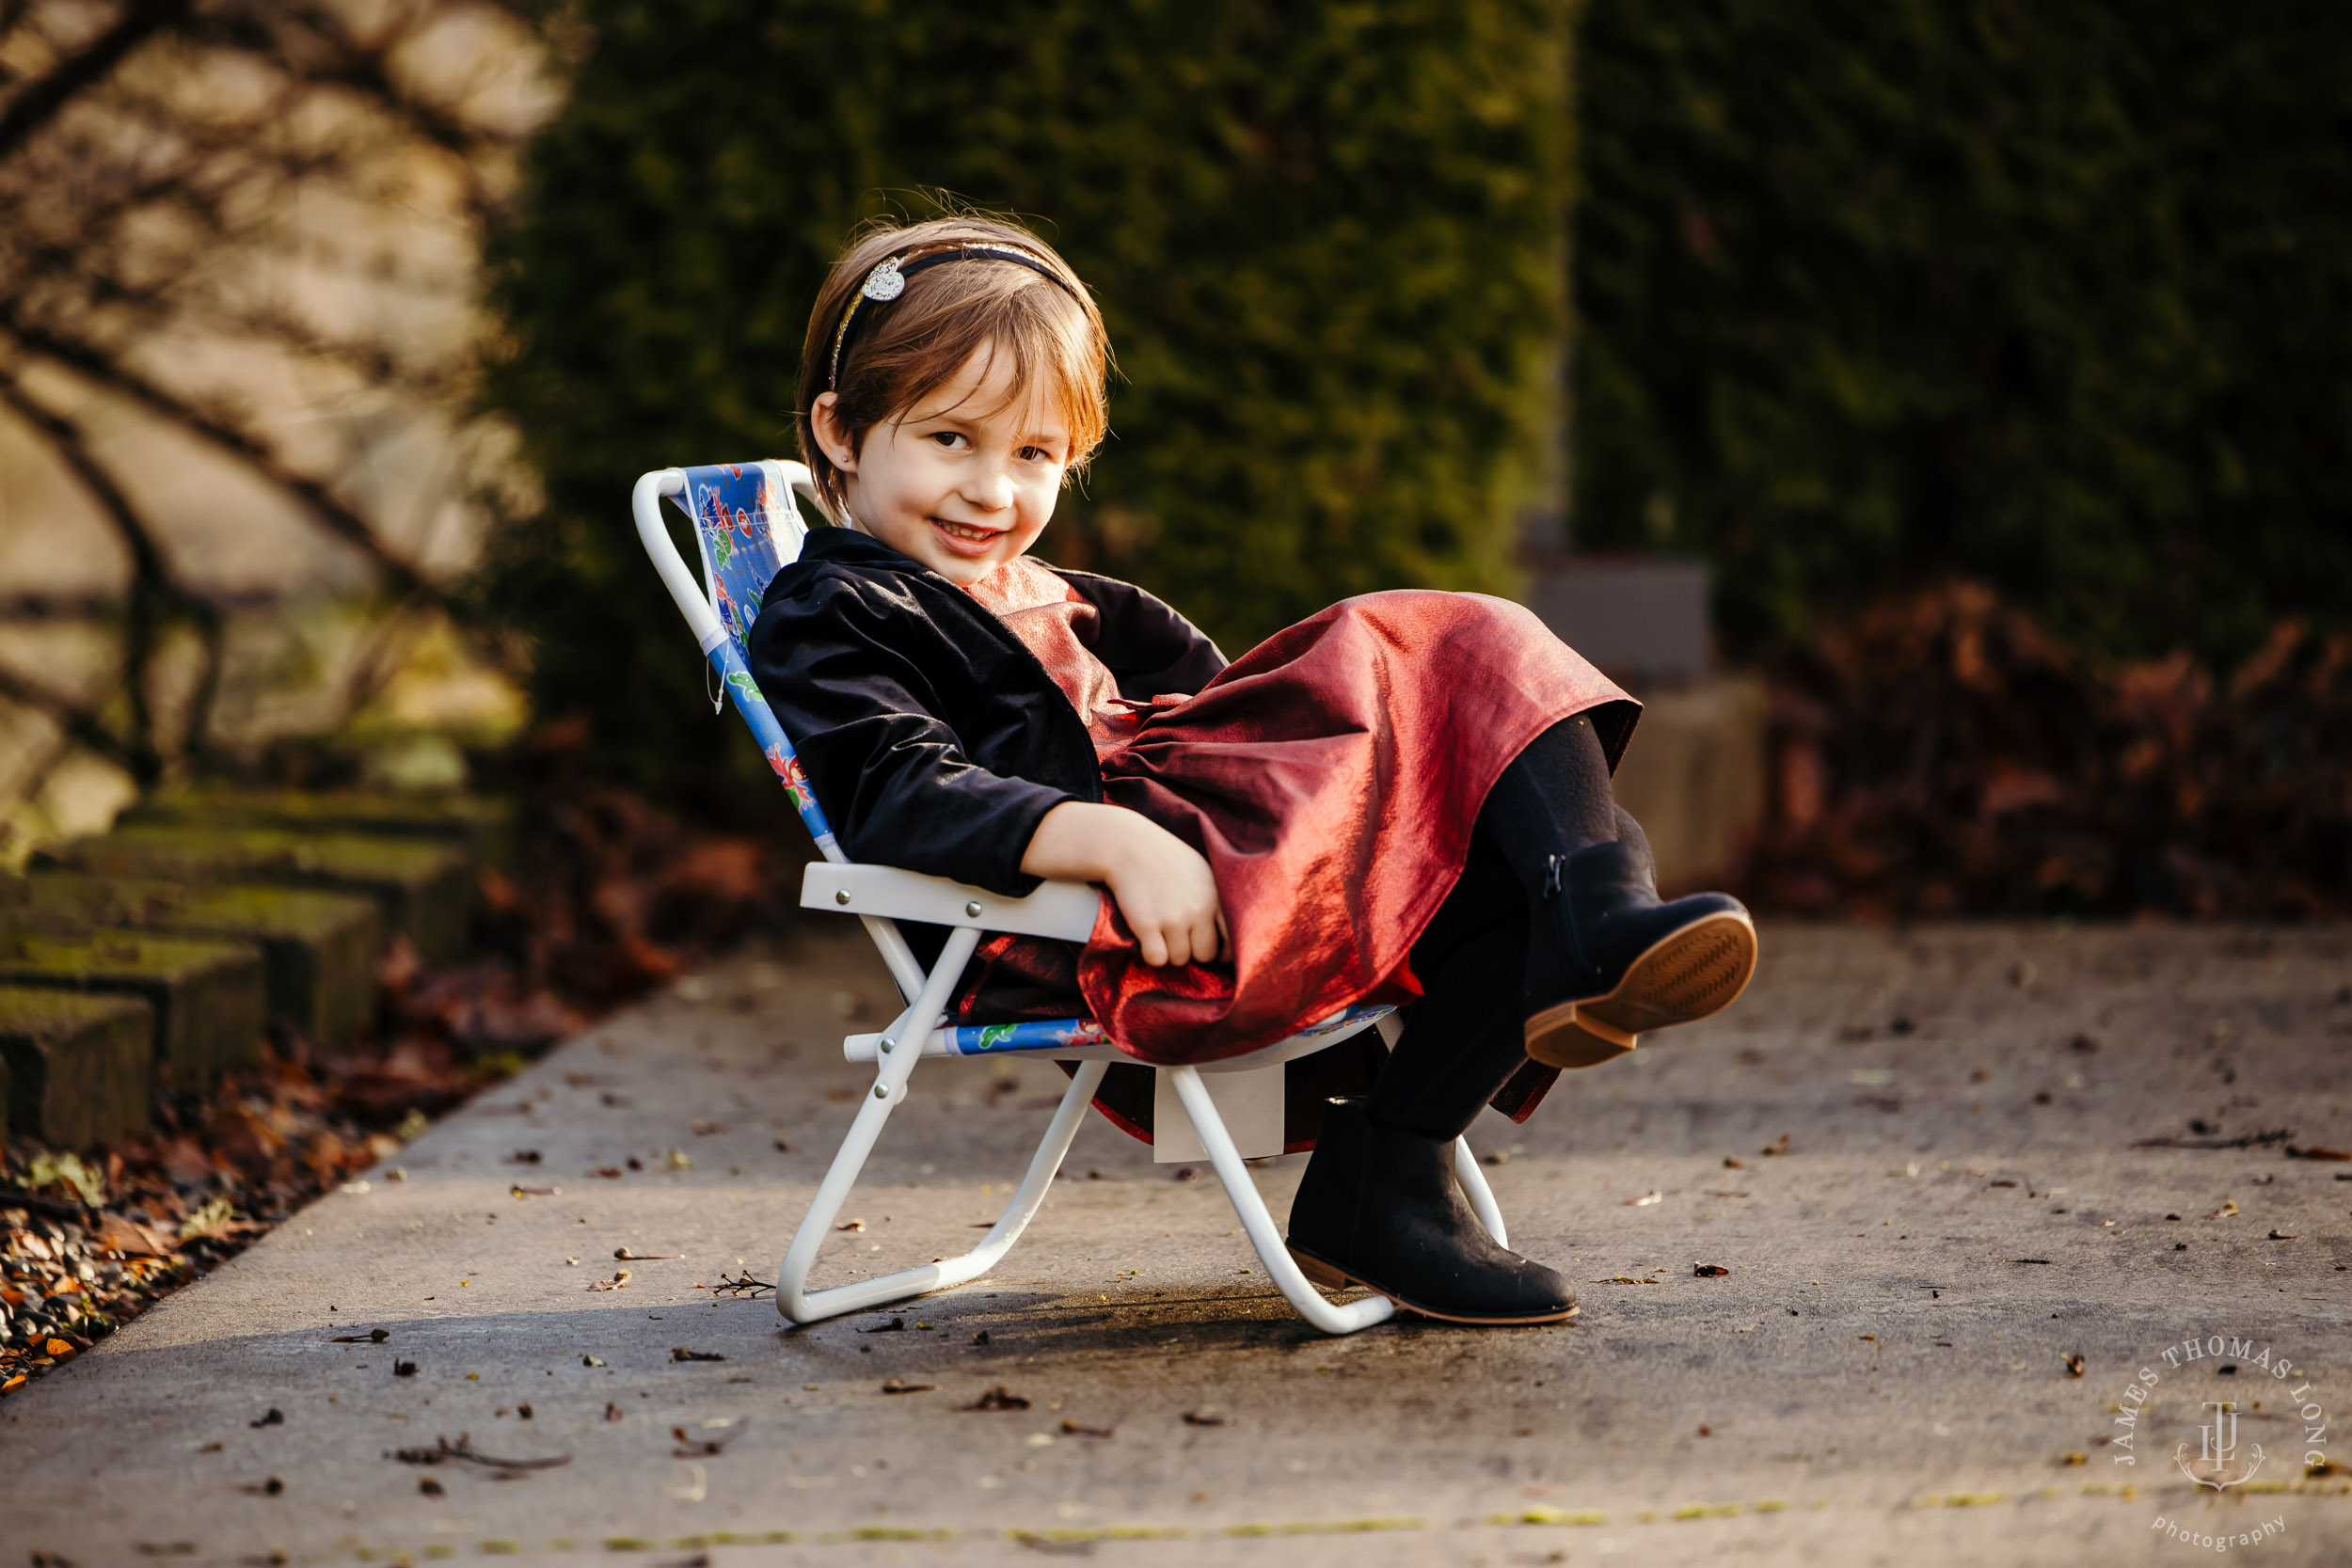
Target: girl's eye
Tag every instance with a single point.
(946, 437)
(1036, 455)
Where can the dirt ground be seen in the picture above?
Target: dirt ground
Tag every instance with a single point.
(1954, 1176)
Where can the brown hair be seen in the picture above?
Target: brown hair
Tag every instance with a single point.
(917, 343)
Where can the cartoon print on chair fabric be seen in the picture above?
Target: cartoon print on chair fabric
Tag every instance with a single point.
(747, 527)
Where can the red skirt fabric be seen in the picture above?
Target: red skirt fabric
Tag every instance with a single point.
(1332, 777)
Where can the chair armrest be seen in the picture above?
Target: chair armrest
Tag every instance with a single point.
(1064, 910)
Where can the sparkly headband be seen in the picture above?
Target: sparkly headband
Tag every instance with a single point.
(888, 280)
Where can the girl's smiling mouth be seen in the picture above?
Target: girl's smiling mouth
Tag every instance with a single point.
(967, 534)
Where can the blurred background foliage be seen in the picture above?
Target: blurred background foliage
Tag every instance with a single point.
(321, 386)
(1329, 241)
(2058, 297)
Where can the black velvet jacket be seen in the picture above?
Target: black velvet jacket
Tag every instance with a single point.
(935, 741)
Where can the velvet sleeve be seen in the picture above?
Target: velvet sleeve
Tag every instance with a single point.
(836, 661)
(1149, 648)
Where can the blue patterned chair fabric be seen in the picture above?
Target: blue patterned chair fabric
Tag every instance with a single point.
(747, 527)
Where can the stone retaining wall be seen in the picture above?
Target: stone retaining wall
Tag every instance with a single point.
(159, 953)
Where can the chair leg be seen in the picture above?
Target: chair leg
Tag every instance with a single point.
(906, 1038)
(1226, 1160)
(1482, 1198)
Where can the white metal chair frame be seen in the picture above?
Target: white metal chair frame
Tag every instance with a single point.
(882, 896)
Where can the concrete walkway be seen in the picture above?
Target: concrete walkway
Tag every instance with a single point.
(1884, 1374)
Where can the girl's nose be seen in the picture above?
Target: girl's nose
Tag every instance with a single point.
(989, 486)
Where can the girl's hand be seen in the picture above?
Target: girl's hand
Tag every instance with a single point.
(1162, 887)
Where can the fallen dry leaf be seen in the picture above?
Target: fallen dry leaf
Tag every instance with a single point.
(701, 1447)
(2243, 1140)
(462, 1451)
(1206, 1419)
(899, 1385)
(679, 1353)
(1708, 1271)
(999, 1398)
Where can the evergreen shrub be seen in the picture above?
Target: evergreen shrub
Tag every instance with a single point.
(1327, 239)
(2057, 297)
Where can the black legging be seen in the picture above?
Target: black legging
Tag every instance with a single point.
(1465, 1035)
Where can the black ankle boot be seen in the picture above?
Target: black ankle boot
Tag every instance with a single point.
(1379, 1207)
(1609, 960)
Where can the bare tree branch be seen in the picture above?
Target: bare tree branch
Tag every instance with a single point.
(38, 101)
(80, 724)
(174, 181)
(339, 519)
(157, 596)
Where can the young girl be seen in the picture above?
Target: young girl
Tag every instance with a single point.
(1405, 799)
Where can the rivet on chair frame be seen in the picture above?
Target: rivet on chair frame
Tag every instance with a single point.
(886, 1045)
(972, 907)
(882, 1091)
(841, 895)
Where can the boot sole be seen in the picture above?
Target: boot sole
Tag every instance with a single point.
(1332, 1277)
(1690, 974)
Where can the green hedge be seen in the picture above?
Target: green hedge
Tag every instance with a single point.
(2057, 297)
(1327, 239)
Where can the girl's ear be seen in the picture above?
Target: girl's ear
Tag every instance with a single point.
(824, 419)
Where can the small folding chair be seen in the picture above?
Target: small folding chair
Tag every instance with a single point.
(747, 528)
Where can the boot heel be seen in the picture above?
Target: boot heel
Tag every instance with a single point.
(1320, 1273)
(1563, 1037)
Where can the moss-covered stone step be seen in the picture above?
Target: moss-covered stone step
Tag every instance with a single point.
(209, 998)
(319, 947)
(485, 824)
(76, 1064)
(423, 886)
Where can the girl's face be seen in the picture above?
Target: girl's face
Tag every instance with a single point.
(963, 482)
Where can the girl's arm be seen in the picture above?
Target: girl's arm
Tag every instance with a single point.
(1161, 885)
